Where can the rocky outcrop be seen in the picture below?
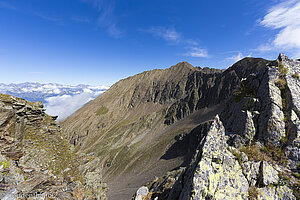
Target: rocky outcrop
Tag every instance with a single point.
(37, 162)
(216, 174)
(222, 172)
(265, 108)
(256, 107)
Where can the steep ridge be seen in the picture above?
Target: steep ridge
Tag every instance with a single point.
(219, 171)
(154, 122)
(36, 162)
(254, 153)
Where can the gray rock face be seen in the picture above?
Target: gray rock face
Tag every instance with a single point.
(251, 172)
(266, 107)
(218, 175)
(219, 171)
(276, 193)
(256, 109)
(271, 120)
(268, 175)
(202, 89)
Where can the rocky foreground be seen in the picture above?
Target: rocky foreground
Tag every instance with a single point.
(36, 162)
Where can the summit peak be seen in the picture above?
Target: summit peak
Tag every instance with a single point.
(282, 57)
(183, 64)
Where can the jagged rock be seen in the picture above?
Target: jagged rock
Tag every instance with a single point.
(249, 130)
(29, 186)
(217, 174)
(244, 125)
(293, 154)
(234, 151)
(221, 172)
(268, 175)
(276, 193)
(11, 175)
(251, 172)
(271, 120)
(161, 187)
(296, 124)
(236, 141)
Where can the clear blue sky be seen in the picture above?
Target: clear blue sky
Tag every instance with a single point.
(98, 42)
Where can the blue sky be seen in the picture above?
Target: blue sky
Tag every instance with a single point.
(98, 42)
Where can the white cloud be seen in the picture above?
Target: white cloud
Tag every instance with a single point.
(65, 105)
(197, 52)
(100, 87)
(106, 17)
(286, 18)
(237, 57)
(171, 35)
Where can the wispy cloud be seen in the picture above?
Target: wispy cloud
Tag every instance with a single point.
(49, 18)
(236, 57)
(36, 13)
(6, 5)
(106, 17)
(172, 36)
(284, 17)
(197, 52)
(169, 34)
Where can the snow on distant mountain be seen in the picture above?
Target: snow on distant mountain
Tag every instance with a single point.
(61, 100)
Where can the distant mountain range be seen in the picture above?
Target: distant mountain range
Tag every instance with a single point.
(61, 100)
(39, 92)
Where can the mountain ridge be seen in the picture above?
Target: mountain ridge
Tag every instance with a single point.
(134, 123)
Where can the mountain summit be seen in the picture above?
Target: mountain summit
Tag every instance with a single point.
(162, 123)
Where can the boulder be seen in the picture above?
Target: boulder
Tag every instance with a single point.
(141, 193)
